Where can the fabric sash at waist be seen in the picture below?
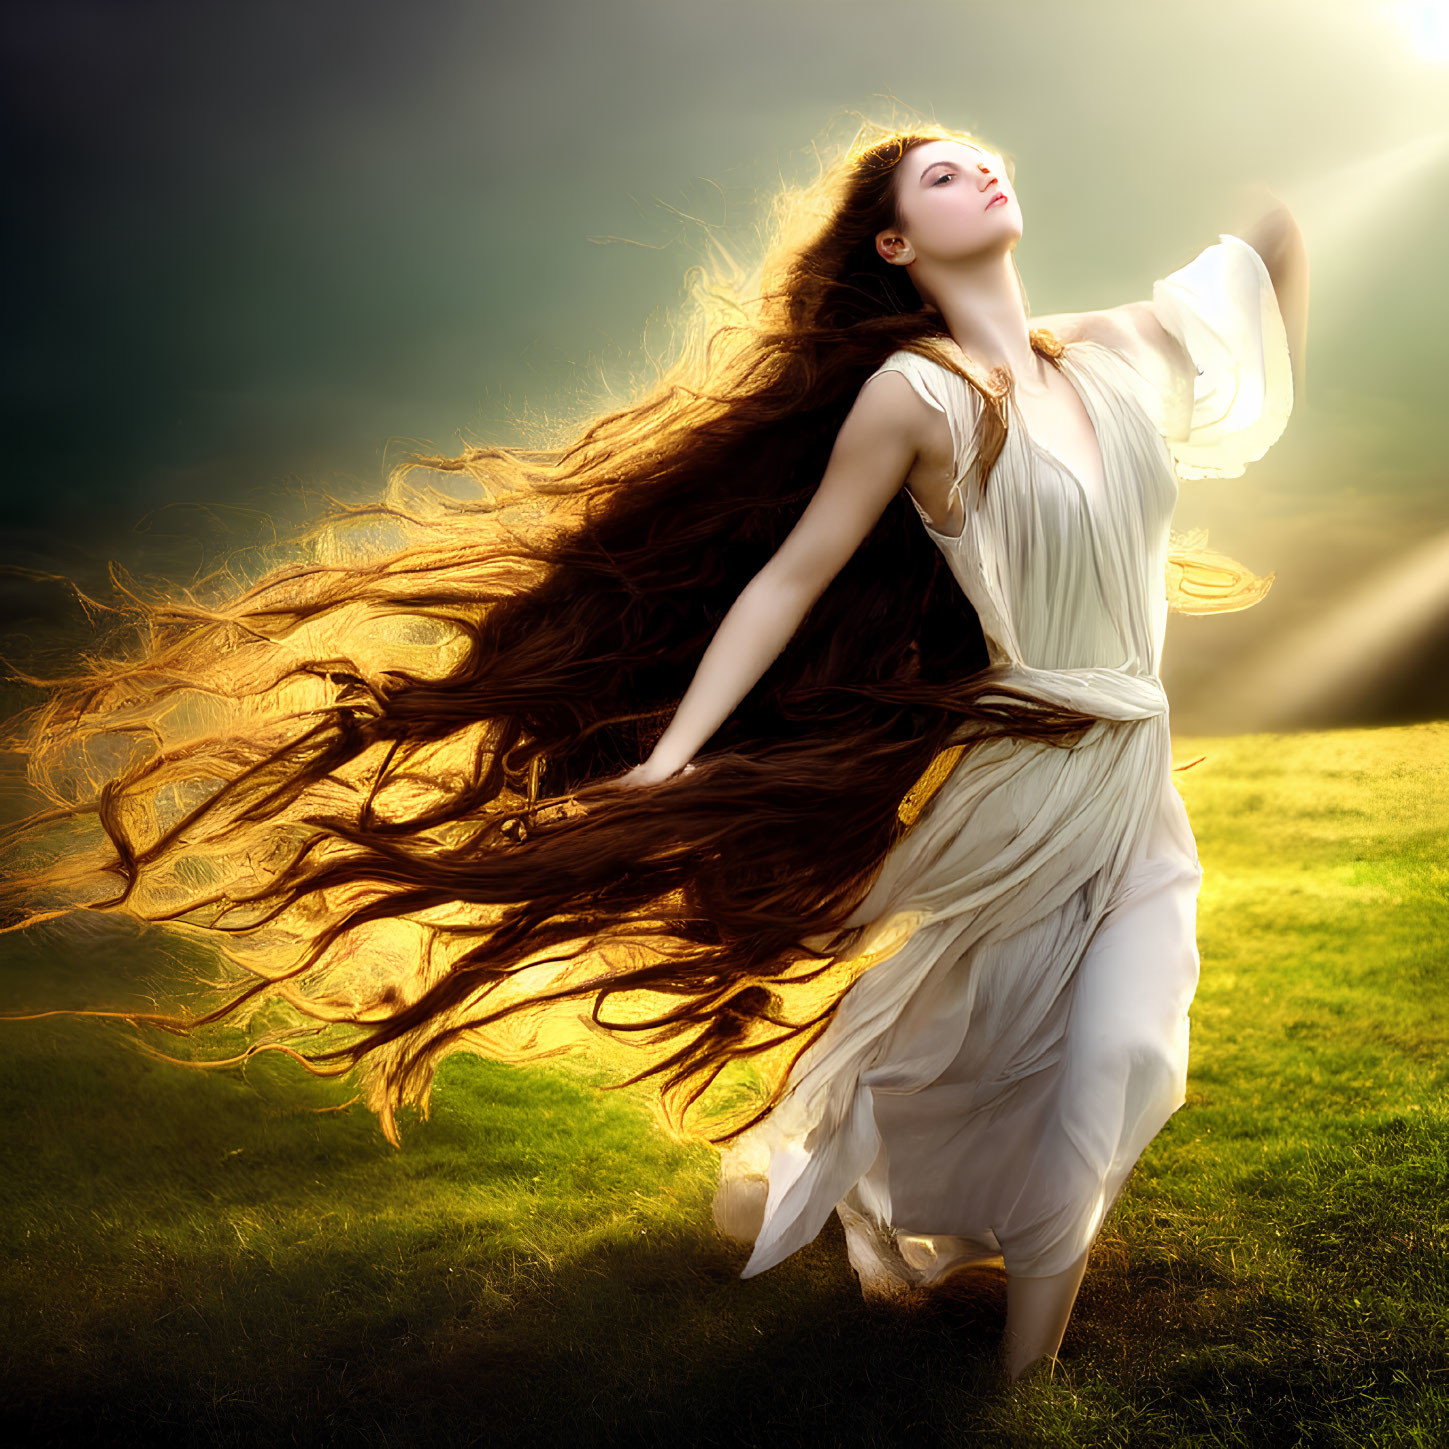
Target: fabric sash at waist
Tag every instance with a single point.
(1103, 692)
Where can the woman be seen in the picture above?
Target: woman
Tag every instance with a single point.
(875, 583)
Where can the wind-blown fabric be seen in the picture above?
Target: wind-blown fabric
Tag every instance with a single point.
(985, 1089)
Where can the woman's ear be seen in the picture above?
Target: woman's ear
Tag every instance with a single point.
(894, 248)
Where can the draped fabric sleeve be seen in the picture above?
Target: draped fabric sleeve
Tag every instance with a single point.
(948, 393)
(1222, 308)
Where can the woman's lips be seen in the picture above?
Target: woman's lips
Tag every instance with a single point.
(1000, 196)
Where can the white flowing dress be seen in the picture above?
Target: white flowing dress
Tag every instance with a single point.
(985, 1088)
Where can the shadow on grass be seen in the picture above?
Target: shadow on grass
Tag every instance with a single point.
(184, 1263)
(184, 1267)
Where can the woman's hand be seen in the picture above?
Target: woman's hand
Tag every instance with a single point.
(649, 773)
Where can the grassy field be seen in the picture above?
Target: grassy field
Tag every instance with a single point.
(210, 1258)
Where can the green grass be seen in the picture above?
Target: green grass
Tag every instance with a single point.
(211, 1257)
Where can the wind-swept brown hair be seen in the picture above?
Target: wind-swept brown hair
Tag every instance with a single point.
(372, 779)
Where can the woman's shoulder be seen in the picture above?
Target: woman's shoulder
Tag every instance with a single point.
(935, 373)
(1132, 330)
(930, 399)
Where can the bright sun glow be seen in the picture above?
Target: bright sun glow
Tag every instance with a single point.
(1426, 23)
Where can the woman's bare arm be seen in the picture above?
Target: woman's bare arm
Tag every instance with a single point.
(872, 456)
(1276, 238)
(1134, 326)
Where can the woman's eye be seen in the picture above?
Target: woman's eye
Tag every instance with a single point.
(944, 176)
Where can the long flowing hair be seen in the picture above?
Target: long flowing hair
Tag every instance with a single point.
(372, 778)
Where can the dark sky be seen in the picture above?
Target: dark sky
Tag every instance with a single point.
(253, 245)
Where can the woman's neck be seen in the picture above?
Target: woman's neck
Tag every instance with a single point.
(980, 304)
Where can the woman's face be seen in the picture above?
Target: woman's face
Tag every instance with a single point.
(947, 204)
